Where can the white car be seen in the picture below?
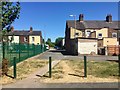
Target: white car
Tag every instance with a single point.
(47, 47)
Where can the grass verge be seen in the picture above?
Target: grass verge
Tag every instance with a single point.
(24, 69)
(72, 71)
(102, 69)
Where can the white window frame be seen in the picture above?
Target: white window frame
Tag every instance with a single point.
(114, 34)
(99, 35)
(25, 39)
(33, 39)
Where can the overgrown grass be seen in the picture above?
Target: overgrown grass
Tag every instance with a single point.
(102, 69)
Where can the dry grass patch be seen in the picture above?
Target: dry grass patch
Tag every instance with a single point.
(101, 69)
(24, 69)
(57, 72)
(72, 71)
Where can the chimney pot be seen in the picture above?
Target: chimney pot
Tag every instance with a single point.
(31, 29)
(12, 28)
(109, 18)
(81, 16)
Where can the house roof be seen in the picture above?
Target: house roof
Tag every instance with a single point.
(79, 25)
(18, 33)
(93, 24)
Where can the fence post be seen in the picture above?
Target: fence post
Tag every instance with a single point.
(3, 50)
(50, 72)
(34, 48)
(85, 66)
(19, 52)
(44, 48)
(28, 49)
(119, 63)
(40, 48)
(14, 67)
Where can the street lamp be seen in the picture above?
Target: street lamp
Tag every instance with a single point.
(74, 24)
(44, 38)
(75, 47)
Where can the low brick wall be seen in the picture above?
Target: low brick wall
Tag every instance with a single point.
(113, 50)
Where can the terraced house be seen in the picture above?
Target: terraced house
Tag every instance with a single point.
(26, 36)
(91, 36)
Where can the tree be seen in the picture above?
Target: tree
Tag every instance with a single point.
(51, 44)
(9, 12)
(48, 41)
(58, 41)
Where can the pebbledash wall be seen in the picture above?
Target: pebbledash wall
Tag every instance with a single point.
(17, 39)
(36, 40)
(73, 31)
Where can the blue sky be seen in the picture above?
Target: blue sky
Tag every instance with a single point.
(50, 17)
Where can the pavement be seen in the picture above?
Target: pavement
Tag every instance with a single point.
(33, 82)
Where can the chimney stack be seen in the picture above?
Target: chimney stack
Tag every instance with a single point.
(31, 29)
(81, 16)
(12, 29)
(109, 18)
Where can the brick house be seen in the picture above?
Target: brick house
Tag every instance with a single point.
(26, 36)
(105, 31)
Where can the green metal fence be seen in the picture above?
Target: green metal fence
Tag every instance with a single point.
(1, 55)
(21, 51)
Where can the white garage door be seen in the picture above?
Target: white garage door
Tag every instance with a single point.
(87, 47)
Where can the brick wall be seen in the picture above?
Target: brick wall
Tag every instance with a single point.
(113, 50)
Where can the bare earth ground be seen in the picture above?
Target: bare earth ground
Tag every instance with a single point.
(63, 73)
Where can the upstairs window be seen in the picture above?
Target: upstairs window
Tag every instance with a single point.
(100, 35)
(114, 35)
(25, 39)
(76, 34)
(33, 39)
(88, 34)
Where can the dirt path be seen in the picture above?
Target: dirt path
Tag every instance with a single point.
(67, 70)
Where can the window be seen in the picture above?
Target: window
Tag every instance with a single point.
(88, 33)
(33, 39)
(25, 39)
(114, 35)
(100, 35)
(76, 34)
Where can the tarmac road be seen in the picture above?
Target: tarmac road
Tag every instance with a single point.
(61, 54)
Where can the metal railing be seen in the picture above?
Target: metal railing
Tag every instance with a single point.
(21, 51)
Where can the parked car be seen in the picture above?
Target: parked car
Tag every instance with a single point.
(47, 47)
(56, 47)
